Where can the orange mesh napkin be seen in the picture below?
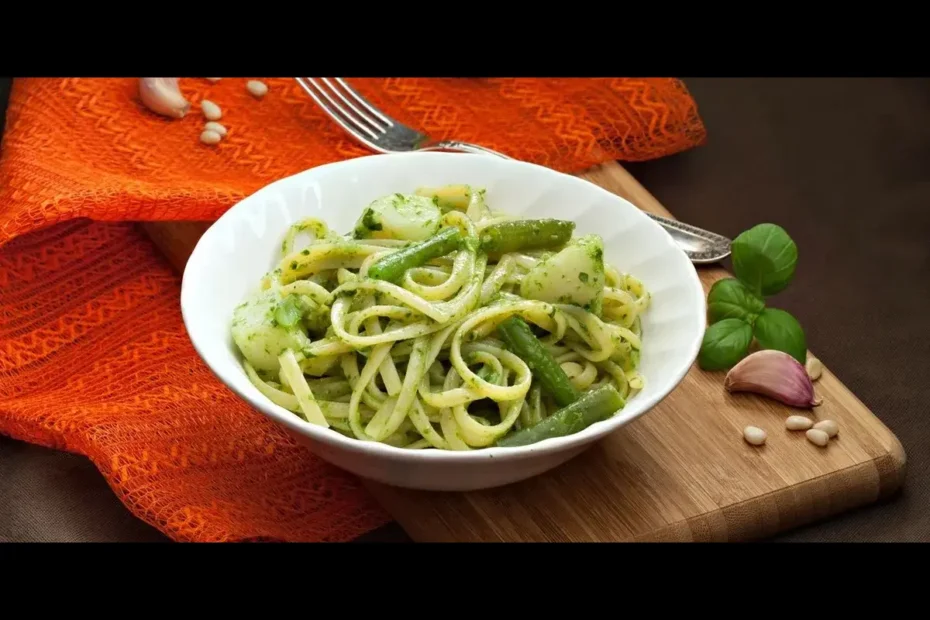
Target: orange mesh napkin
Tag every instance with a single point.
(94, 357)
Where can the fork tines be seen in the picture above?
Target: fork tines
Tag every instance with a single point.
(346, 106)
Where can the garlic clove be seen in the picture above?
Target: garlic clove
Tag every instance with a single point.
(774, 374)
(163, 96)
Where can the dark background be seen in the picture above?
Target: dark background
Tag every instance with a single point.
(842, 164)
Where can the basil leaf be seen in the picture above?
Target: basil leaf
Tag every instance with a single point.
(288, 311)
(730, 299)
(764, 258)
(777, 329)
(725, 343)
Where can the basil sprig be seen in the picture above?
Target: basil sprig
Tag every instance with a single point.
(725, 343)
(764, 261)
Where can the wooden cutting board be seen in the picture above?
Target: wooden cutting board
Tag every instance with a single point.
(681, 472)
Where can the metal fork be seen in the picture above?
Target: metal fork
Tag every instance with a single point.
(383, 134)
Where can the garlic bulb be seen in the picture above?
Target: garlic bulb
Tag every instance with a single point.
(774, 374)
(163, 96)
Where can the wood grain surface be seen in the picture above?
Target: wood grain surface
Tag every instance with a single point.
(681, 472)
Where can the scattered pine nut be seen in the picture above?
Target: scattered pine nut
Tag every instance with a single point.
(257, 88)
(814, 367)
(798, 423)
(214, 126)
(210, 137)
(214, 80)
(211, 111)
(754, 435)
(818, 437)
(830, 427)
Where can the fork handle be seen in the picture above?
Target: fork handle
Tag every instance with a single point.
(464, 147)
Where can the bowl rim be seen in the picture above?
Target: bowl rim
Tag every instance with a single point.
(338, 441)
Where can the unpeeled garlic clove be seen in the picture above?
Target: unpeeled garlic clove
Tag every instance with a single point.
(774, 374)
(163, 96)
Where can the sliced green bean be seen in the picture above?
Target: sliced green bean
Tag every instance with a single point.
(393, 266)
(526, 235)
(520, 339)
(594, 406)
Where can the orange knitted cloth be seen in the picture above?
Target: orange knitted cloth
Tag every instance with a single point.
(94, 358)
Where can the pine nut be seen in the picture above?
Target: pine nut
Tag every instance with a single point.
(798, 423)
(830, 427)
(214, 80)
(210, 137)
(814, 367)
(754, 435)
(257, 88)
(214, 126)
(818, 437)
(211, 111)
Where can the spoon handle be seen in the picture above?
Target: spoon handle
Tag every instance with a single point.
(701, 246)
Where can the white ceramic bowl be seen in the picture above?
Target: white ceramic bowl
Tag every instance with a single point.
(244, 243)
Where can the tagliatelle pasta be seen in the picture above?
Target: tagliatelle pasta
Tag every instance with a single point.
(439, 323)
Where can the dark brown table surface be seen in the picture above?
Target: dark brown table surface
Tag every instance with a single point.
(843, 164)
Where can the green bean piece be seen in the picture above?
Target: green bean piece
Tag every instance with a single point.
(594, 406)
(526, 235)
(520, 339)
(393, 266)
